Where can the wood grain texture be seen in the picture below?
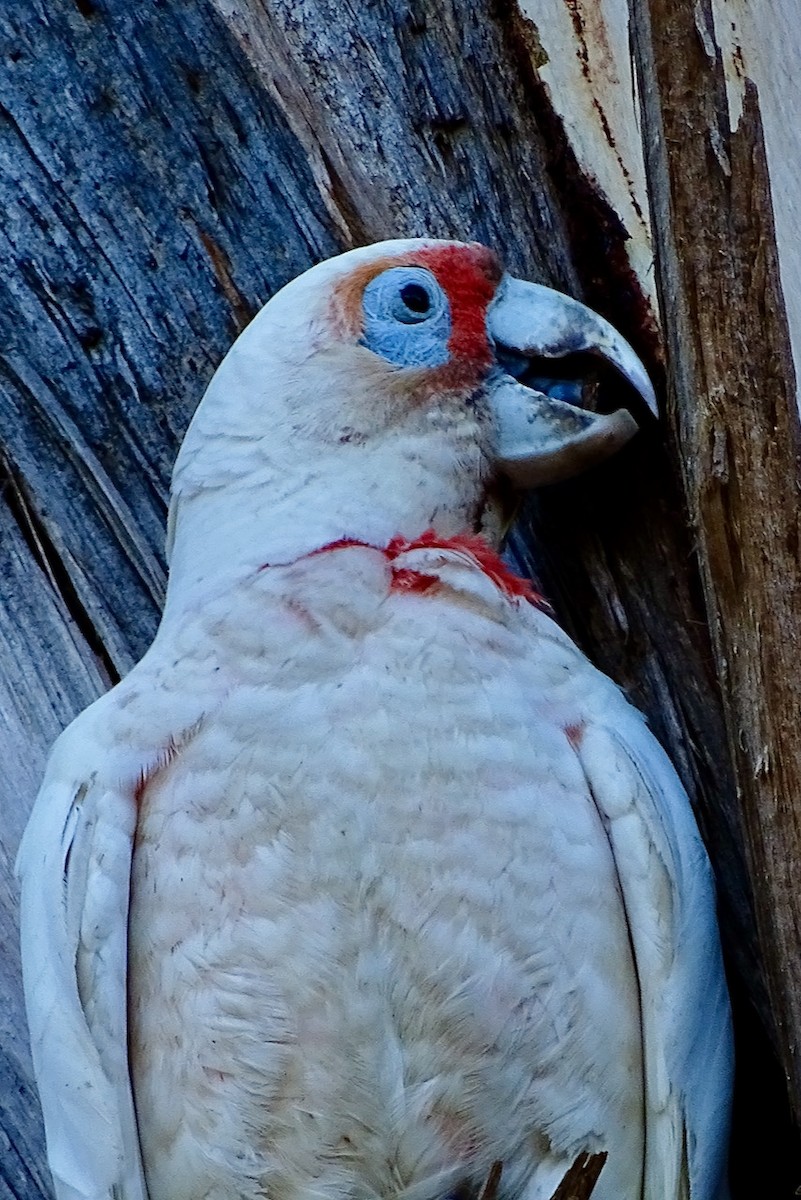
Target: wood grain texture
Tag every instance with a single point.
(732, 389)
(163, 170)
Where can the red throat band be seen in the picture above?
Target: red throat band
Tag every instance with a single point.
(471, 547)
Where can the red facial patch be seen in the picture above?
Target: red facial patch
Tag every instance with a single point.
(469, 276)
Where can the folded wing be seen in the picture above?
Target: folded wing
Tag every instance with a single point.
(668, 894)
(74, 865)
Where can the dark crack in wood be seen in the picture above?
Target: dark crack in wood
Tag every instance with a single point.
(579, 1182)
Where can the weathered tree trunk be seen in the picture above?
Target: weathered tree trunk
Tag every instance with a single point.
(164, 168)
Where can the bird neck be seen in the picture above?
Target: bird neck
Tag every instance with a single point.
(217, 545)
(251, 506)
(470, 548)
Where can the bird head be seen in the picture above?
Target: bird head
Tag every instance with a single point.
(382, 393)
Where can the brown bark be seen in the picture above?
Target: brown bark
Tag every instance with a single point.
(733, 407)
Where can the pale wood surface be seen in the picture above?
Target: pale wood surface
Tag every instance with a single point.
(164, 168)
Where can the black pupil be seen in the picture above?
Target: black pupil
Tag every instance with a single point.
(415, 297)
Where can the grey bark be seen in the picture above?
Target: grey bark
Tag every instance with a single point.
(163, 170)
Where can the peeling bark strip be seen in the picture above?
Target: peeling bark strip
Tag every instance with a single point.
(733, 395)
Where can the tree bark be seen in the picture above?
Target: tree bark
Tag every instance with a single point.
(164, 169)
(732, 383)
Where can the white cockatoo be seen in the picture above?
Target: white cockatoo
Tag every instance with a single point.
(364, 879)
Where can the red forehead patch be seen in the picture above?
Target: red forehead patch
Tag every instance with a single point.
(469, 275)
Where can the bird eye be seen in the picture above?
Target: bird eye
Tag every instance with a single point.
(416, 299)
(407, 318)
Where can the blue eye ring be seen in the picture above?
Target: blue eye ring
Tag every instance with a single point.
(407, 318)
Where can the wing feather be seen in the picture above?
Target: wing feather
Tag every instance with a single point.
(668, 893)
(74, 864)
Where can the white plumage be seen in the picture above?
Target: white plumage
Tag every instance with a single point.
(412, 888)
